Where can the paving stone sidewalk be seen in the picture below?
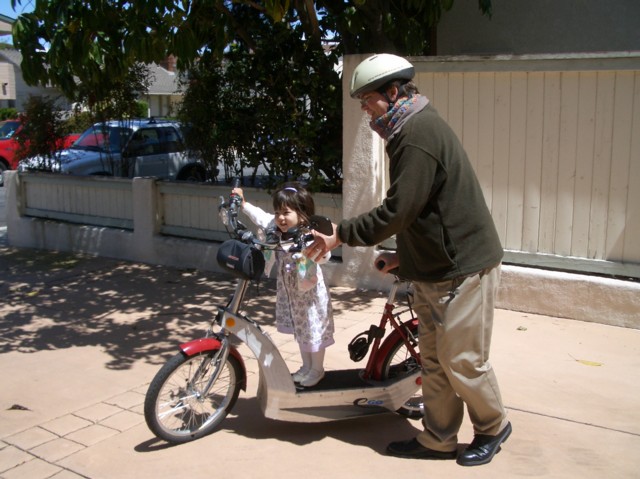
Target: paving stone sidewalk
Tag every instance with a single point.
(82, 337)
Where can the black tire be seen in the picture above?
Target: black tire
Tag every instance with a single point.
(174, 408)
(399, 362)
(193, 173)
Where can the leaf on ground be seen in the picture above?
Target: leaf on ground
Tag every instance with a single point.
(587, 363)
(18, 407)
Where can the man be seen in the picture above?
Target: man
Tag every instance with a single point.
(448, 246)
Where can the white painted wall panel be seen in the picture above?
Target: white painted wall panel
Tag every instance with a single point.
(556, 147)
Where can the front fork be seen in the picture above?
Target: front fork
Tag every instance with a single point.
(221, 348)
(220, 342)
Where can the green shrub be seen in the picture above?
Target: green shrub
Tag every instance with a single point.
(142, 109)
(8, 113)
(79, 122)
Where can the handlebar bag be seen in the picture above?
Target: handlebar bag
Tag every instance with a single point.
(242, 260)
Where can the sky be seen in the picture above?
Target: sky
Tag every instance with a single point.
(6, 10)
(5, 7)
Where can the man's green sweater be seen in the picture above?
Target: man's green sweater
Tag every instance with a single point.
(434, 206)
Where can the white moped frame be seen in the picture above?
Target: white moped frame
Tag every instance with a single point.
(194, 391)
(342, 394)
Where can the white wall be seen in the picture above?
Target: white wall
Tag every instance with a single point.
(540, 27)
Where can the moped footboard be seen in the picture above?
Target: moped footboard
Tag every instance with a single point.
(321, 404)
(204, 345)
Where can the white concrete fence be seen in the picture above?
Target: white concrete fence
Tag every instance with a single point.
(142, 219)
(177, 225)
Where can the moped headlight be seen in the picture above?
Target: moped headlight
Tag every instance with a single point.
(223, 214)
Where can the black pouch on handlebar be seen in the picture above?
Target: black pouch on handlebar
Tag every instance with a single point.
(242, 260)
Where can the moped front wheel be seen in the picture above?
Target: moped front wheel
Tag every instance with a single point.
(399, 362)
(181, 403)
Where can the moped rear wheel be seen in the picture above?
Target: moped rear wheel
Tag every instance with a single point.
(399, 362)
(176, 407)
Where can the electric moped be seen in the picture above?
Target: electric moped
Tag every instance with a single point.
(194, 391)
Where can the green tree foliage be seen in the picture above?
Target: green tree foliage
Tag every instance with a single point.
(273, 52)
(404, 27)
(81, 42)
(274, 110)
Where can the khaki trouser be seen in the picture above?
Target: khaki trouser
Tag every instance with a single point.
(456, 320)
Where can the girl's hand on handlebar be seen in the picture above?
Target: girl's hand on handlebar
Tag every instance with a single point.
(386, 261)
(238, 192)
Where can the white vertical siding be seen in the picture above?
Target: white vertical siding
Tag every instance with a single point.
(556, 149)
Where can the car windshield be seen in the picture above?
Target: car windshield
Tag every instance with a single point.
(8, 128)
(104, 138)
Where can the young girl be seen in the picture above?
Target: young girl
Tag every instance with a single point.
(303, 304)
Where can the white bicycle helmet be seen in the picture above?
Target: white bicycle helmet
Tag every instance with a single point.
(377, 70)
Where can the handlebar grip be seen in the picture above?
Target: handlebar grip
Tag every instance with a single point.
(234, 199)
(380, 264)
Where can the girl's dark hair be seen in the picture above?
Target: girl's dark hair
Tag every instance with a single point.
(294, 196)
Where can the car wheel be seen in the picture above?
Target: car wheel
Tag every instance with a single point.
(192, 173)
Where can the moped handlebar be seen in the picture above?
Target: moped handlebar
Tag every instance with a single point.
(296, 238)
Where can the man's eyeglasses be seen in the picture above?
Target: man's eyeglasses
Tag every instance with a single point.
(365, 99)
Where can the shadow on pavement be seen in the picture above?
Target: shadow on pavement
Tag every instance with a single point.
(133, 311)
(246, 420)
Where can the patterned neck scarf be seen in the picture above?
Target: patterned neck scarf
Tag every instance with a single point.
(389, 124)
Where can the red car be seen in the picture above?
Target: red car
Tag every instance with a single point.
(9, 145)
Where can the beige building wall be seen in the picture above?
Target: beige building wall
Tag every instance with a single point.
(7, 83)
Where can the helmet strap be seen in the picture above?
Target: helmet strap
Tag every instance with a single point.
(401, 92)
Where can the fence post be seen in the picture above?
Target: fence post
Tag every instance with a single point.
(13, 206)
(145, 217)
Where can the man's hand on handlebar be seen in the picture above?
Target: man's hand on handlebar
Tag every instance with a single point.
(386, 261)
(322, 244)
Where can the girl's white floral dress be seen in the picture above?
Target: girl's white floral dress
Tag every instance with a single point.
(303, 303)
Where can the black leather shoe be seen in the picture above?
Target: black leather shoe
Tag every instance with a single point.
(483, 448)
(414, 450)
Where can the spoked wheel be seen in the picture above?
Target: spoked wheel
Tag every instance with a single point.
(181, 405)
(399, 362)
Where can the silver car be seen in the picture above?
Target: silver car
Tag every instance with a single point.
(127, 148)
